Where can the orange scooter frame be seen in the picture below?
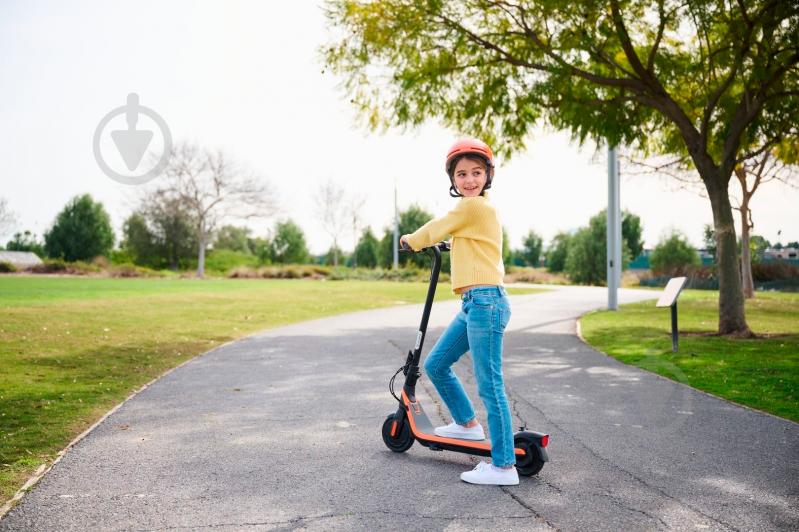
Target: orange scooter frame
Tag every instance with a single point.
(410, 423)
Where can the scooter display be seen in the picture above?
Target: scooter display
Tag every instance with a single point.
(410, 423)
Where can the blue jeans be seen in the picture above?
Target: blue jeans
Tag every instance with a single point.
(478, 327)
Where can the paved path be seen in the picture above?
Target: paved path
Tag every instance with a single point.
(281, 431)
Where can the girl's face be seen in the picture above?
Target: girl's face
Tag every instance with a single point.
(470, 176)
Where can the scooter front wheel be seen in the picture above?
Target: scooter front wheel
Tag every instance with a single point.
(397, 436)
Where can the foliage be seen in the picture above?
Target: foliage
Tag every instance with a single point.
(673, 255)
(367, 250)
(288, 245)
(410, 220)
(161, 234)
(26, 241)
(82, 230)
(532, 246)
(620, 72)
(586, 260)
(233, 238)
(557, 252)
(757, 247)
(631, 233)
(7, 267)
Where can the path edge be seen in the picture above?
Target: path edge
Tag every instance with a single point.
(579, 332)
(43, 469)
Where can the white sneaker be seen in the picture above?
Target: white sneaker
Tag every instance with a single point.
(453, 430)
(486, 473)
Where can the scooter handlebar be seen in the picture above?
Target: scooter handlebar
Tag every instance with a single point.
(442, 246)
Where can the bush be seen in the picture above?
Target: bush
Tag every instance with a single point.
(305, 271)
(674, 256)
(7, 267)
(774, 271)
(224, 260)
(128, 269)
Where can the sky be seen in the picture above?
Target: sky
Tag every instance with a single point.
(247, 78)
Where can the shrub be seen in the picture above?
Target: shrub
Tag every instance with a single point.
(674, 255)
(7, 267)
(774, 271)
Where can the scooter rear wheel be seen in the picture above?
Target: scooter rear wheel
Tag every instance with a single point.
(402, 439)
(531, 463)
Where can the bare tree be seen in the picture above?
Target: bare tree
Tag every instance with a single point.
(7, 217)
(214, 189)
(758, 169)
(332, 211)
(355, 207)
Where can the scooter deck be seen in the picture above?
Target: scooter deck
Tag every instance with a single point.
(423, 430)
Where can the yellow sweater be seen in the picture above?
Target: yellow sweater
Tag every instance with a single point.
(476, 246)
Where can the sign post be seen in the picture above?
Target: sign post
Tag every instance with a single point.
(669, 299)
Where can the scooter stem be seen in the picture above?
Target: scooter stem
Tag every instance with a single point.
(412, 372)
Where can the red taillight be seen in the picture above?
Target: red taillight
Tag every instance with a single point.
(545, 440)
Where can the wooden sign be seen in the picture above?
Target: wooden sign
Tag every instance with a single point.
(672, 290)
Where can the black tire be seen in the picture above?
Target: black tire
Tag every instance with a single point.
(531, 463)
(400, 442)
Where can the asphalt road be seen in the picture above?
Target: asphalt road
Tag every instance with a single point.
(281, 431)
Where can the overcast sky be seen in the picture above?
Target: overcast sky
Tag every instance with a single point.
(246, 77)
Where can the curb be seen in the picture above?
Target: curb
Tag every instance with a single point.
(583, 340)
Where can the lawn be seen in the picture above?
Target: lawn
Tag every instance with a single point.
(762, 373)
(73, 347)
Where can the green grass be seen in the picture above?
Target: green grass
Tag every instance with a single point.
(762, 373)
(72, 347)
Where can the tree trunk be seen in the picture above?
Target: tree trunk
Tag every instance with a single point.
(201, 253)
(746, 254)
(335, 253)
(731, 301)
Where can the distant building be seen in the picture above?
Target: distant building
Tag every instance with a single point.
(20, 259)
(781, 254)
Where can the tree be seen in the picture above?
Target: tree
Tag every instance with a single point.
(367, 250)
(410, 220)
(234, 238)
(757, 247)
(81, 231)
(505, 247)
(673, 255)
(161, 233)
(557, 252)
(288, 245)
(619, 72)
(212, 188)
(631, 233)
(793, 244)
(355, 206)
(751, 174)
(532, 246)
(333, 212)
(26, 241)
(586, 259)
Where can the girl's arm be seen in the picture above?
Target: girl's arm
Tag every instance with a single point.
(435, 230)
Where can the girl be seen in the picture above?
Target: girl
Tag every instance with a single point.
(477, 274)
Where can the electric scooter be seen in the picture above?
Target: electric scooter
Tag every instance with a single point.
(410, 423)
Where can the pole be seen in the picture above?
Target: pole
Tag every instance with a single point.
(613, 231)
(674, 334)
(396, 229)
